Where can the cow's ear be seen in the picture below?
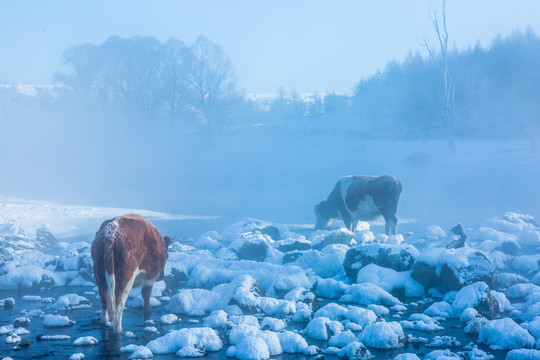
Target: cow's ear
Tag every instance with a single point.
(168, 240)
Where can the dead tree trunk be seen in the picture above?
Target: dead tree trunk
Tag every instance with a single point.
(448, 99)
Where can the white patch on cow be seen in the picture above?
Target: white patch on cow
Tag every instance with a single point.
(111, 285)
(117, 322)
(112, 229)
(366, 210)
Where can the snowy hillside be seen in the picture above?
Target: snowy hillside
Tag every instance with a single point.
(67, 220)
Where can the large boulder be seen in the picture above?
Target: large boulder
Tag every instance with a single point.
(452, 269)
(479, 297)
(298, 243)
(252, 246)
(399, 257)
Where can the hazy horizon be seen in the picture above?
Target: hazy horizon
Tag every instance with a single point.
(309, 46)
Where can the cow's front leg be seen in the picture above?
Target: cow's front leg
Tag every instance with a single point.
(390, 225)
(354, 225)
(146, 291)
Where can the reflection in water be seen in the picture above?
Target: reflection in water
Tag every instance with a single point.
(111, 344)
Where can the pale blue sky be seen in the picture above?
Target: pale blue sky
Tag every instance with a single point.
(311, 45)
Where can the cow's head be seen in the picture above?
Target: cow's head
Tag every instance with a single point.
(323, 215)
(167, 241)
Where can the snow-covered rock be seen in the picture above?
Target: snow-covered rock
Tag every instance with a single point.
(407, 356)
(521, 291)
(252, 348)
(273, 324)
(190, 352)
(360, 316)
(451, 269)
(70, 302)
(446, 354)
(505, 280)
(523, 354)
(444, 341)
(478, 296)
(202, 338)
(290, 244)
(378, 310)
(421, 322)
(168, 319)
(292, 343)
(342, 339)
(326, 262)
(527, 263)
(505, 334)
(440, 308)
(57, 321)
(354, 351)
(383, 335)
(253, 246)
(137, 351)
(322, 328)
(397, 257)
(367, 293)
(390, 280)
(321, 238)
(86, 340)
(274, 231)
(216, 319)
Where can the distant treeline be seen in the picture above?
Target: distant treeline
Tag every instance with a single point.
(497, 91)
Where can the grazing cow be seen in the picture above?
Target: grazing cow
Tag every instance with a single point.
(127, 251)
(361, 198)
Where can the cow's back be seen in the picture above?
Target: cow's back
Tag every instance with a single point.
(367, 197)
(139, 246)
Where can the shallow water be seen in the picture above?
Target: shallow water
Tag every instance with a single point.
(109, 345)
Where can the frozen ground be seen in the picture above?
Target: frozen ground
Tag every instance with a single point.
(258, 289)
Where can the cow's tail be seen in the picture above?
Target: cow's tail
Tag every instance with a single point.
(109, 236)
(398, 189)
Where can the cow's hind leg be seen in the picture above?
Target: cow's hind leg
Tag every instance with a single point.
(146, 291)
(101, 281)
(122, 292)
(103, 295)
(104, 299)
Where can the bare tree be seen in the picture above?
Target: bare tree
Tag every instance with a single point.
(441, 60)
(211, 78)
(173, 76)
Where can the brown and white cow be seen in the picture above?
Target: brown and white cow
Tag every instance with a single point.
(361, 198)
(128, 251)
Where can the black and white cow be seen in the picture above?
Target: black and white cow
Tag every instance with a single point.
(361, 198)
